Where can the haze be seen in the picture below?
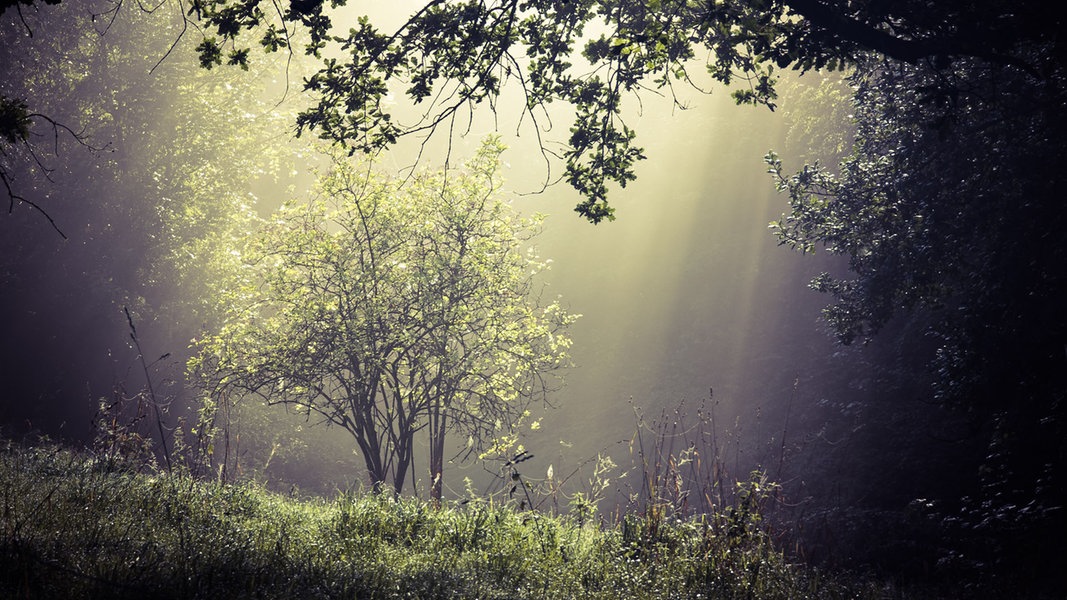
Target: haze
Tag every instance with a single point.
(686, 292)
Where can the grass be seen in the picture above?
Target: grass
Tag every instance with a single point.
(73, 526)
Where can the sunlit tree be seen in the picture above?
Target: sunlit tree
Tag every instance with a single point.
(389, 309)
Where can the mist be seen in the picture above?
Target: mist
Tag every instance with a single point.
(689, 304)
(684, 292)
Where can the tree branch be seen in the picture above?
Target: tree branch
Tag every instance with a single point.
(906, 50)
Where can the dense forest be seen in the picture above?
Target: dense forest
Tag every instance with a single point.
(279, 244)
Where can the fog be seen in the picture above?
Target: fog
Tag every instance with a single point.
(685, 293)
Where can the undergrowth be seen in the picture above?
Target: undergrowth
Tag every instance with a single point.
(75, 526)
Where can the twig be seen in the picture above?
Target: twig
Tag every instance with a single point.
(151, 389)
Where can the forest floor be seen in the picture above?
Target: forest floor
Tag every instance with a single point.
(75, 526)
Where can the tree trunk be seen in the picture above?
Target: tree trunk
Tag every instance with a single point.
(403, 460)
(437, 453)
(370, 449)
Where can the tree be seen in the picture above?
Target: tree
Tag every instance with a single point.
(453, 55)
(929, 221)
(390, 309)
(950, 212)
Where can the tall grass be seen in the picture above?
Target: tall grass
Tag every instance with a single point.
(74, 526)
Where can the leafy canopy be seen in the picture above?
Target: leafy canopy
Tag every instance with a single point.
(449, 56)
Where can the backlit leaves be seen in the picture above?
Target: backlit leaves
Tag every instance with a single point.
(381, 307)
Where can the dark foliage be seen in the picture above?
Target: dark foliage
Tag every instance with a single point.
(950, 212)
